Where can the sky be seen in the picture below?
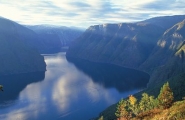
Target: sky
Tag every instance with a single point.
(85, 13)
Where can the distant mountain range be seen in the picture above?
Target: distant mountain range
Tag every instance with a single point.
(55, 37)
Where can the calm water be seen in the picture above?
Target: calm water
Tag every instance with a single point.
(66, 91)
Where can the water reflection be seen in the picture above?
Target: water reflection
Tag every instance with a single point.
(66, 93)
(112, 76)
(14, 84)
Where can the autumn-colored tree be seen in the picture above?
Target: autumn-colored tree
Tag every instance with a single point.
(122, 113)
(132, 105)
(166, 96)
(101, 118)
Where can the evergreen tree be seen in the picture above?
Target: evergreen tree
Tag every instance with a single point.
(166, 96)
(154, 103)
(144, 102)
(122, 110)
(147, 102)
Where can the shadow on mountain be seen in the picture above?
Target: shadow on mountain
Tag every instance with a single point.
(14, 84)
(112, 76)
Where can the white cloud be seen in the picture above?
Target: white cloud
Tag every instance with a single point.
(87, 12)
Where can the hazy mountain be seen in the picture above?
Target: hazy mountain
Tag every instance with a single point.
(17, 52)
(165, 22)
(32, 39)
(63, 34)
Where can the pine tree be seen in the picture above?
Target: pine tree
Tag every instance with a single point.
(122, 110)
(166, 96)
(144, 102)
(147, 102)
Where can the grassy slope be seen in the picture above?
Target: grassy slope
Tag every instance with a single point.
(175, 112)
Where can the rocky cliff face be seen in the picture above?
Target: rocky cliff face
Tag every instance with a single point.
(127, 44)
(16, 54)
(167, 58)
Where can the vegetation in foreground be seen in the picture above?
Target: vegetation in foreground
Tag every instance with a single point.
(149, 108)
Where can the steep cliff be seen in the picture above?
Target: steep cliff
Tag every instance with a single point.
(167, 58)
(166, 62)
(16, 55)
(136, 45)
(126, 44)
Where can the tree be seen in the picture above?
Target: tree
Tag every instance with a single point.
(101, 118)
(147, 102)
(122, 112)
(132, 105)
(166, 96)
(144, 102)
(154, 102)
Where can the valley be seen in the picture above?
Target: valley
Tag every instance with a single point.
(88, 70)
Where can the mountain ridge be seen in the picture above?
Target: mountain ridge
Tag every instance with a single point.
(139, 35)
(102, 39)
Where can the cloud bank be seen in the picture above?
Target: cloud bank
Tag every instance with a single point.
(87, 12)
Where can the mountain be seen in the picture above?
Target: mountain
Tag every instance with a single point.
(42, 44)
(126, 44)
(29, 37)
(131, 45)
(164, 21)
(18, 53)
(60, 33)
(167, 58)
(155, 46)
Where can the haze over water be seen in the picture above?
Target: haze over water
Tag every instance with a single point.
(66, 93)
